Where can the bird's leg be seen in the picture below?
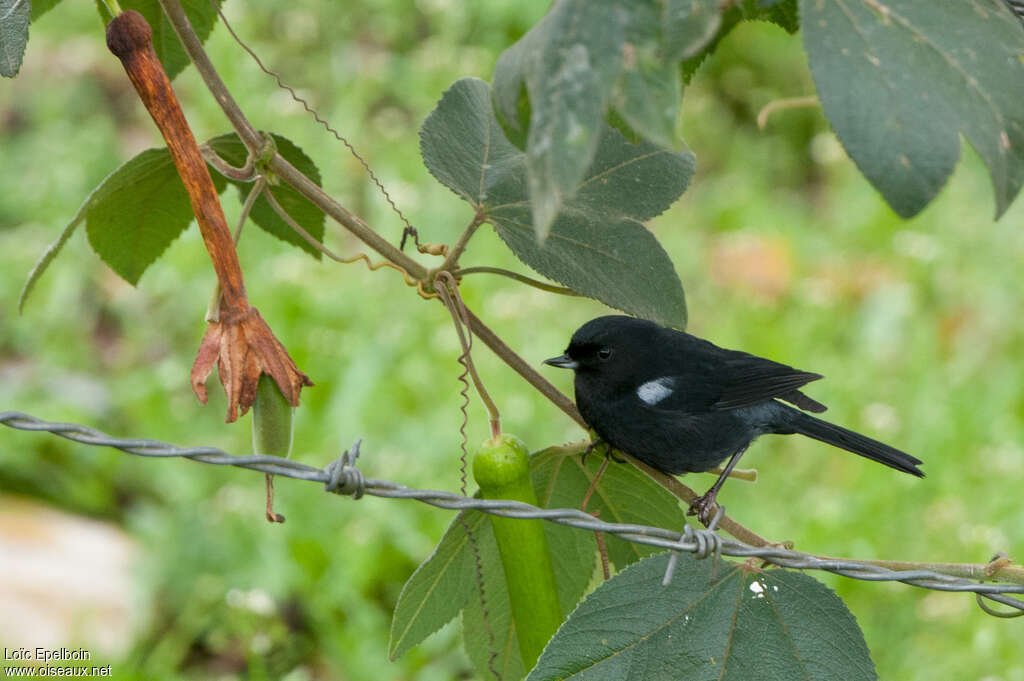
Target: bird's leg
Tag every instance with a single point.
(704, 506)
(596, 442)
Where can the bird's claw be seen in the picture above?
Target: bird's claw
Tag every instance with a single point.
(704, 508)
(608, 452)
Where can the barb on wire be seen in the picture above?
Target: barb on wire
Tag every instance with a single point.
(640, 534)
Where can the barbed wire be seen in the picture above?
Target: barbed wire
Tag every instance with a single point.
(343, 477)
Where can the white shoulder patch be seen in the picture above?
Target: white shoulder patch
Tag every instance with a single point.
(657, 390)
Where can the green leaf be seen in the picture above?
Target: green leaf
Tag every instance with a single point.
(488, 631)
(598, 245)
(14, 18)
(437, 590)
(623, 495)
(201, 14)
(569, 62)
(446, 582)
(41, 7)
(782, 13)
(776, 625)
(306, 214)
(137, 211)
(648, 92)
(689, 25)
(899, 81)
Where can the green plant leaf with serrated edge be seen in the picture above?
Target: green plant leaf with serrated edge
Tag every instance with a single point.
(446, 582)
(899, 81)
(782, 13)
(568, 63)
(14, 19)
(624, 494)
(437, 590)
(142, 207)
(137, 211)
(598, 245)
(648, 92)
(41, 7)
(720, 622)
(201, 14)
(688, 25)
(306, 214)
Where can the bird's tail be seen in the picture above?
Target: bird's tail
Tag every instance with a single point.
(838, 436)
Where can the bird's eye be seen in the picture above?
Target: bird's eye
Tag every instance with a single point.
(604, 353)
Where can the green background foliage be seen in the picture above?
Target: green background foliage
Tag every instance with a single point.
(783, 247)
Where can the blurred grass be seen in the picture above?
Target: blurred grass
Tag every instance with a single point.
(783, 248)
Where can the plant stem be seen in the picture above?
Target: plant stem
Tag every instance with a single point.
(448, 290)
(520, 366)
(452, 258)
(194, 47)
(529, 281)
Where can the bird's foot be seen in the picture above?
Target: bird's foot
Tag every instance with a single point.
(591, 447)
(704, 507)
(608, 451)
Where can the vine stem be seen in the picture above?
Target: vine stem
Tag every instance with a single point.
(452, 258)
(522, 279)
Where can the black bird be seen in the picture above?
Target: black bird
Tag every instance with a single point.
(682, 404)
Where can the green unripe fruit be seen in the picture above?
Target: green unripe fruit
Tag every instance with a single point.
(502, 469)
(271, 420)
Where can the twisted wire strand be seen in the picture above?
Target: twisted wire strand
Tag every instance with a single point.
(341, 476)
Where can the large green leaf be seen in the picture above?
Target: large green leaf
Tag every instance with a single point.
(438, 589)
(554, 85)
(446, 582)
(900, 80)
(568, 63)
(306, 214)
(41, 7)
(782, 13)
(649, 91)
(138, 210)
(688, 26)
(623, 495)
(14, 18)
(738, 625)
(598, 245)
(201, 14)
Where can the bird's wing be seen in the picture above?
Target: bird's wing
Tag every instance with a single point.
(746, 379)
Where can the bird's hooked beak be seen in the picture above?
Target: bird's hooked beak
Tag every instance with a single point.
(563, 362)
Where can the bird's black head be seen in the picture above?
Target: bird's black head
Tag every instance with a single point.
(615, 347)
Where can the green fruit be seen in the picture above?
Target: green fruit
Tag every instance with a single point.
(271, 420)
(502, 469)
